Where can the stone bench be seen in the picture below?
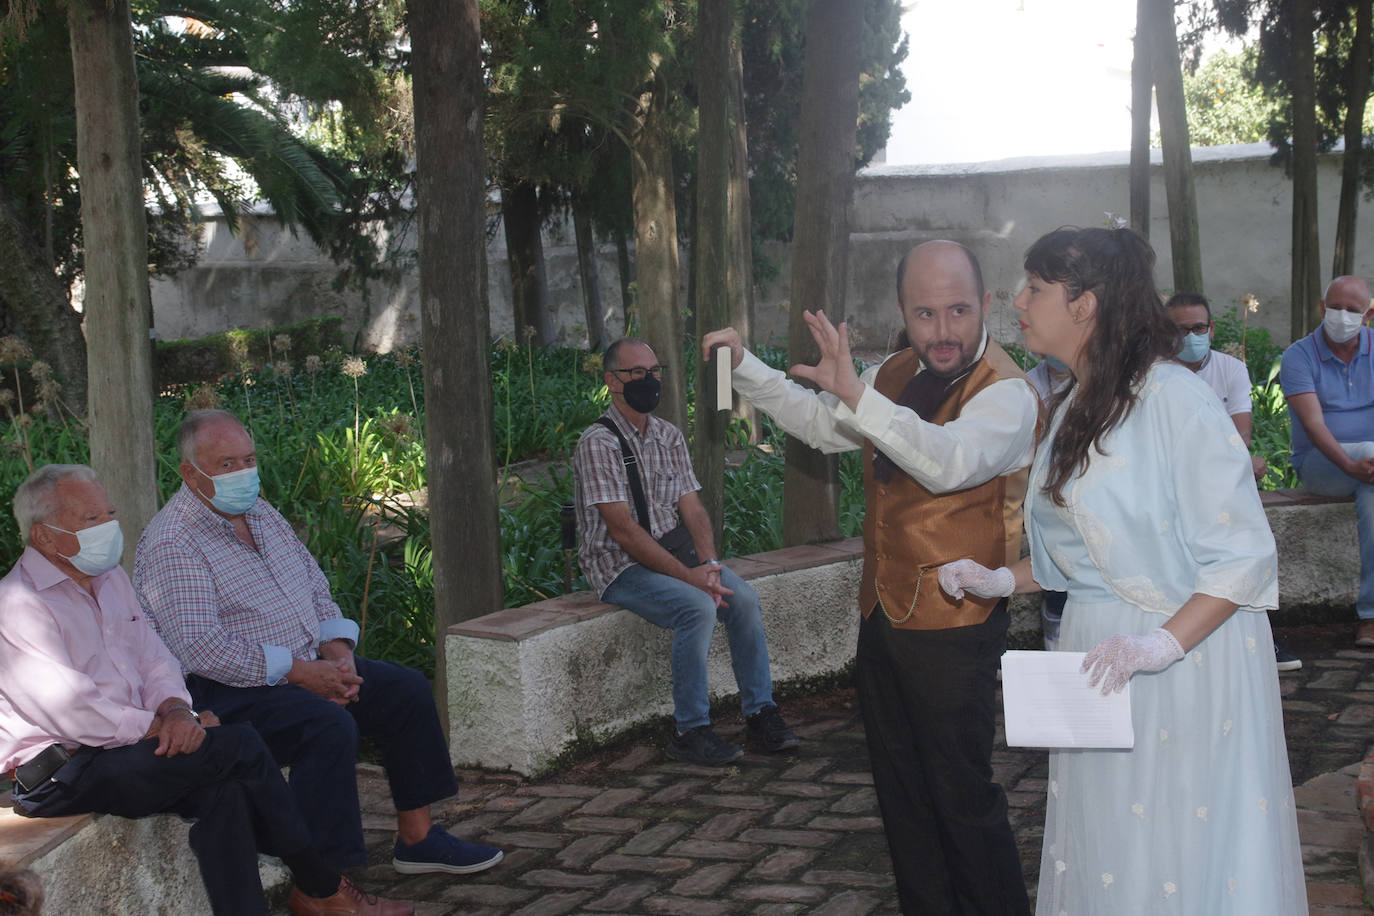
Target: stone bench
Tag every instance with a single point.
(528, 685)
(101, 863)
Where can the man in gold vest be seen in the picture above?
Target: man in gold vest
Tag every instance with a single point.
(947, 427)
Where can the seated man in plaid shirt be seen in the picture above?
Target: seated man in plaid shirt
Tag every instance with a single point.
(241, 602)
(624, 530)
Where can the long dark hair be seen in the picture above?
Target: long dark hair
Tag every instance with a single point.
(1130, 333)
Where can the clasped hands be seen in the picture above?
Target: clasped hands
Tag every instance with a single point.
(332, 676)
(1110, 663)
(177, 731)
(707, 578)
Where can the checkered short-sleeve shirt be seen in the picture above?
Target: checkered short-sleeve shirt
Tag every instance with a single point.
(665, 471)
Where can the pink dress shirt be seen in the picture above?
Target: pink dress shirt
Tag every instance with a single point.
(76, 668)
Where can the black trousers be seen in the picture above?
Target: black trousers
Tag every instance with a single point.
(929, 707)
(318, 740)
(230, 786)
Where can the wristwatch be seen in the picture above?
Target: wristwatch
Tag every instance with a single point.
(711, 562)
(194, 715)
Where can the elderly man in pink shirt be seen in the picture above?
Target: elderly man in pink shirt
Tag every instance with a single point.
(95, 716)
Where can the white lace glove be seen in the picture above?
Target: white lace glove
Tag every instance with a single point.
(963, 575)
(1116, 658)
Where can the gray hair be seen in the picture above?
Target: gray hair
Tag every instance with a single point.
(36, 499)
(191, 426)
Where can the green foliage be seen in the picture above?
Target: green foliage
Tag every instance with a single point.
(1224, 104)
(773, 36)
(206, 359)
(1253, 346)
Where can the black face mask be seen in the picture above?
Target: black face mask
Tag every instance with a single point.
(642, 394)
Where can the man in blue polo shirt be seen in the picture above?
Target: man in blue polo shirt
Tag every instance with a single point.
(1328, 379)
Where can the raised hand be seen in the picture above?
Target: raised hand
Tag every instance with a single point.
(835, 371)
(724, 337)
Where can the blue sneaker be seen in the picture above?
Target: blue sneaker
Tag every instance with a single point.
(441, 851)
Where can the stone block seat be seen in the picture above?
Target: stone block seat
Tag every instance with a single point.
(93, 863)
(527, 685)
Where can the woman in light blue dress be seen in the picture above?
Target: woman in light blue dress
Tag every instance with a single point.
(1142, 506)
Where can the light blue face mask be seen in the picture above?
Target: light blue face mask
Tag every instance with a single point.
(1194, 347)
(235, 491)
(101, 547)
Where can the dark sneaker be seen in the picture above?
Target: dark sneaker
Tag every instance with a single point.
(1364, 634)
(768, 731)
(441, 851)
(703, 746)
(1286, 660)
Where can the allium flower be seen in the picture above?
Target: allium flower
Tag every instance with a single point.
(282, 342)
(6, 398)
(354, 367)
(404, 358)
(313, 364)
(13, 350)
(1250, 301)
(40, 370)
(282, 367)
(593, 364)
(202, 398)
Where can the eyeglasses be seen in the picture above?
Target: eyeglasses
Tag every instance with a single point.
(638, 372)
(1195, 328)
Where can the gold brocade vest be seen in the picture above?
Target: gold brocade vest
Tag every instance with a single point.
(910, 531)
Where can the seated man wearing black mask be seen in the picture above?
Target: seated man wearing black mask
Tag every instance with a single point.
(647, 546)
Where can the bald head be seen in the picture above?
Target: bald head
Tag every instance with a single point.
(1346, 289)
(942, 257)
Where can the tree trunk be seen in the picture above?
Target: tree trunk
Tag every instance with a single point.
(1142, 84)
(464, 524)
(1184, 241)
(525, 254)
(740, 270)
(712, 241)
(1306, 280)
(625, 271)
(119, 310)
(820, 246)
(656, 258)
(1357, 92)
(37, 299)
(589, 273)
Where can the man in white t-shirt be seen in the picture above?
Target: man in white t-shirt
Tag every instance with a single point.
(1229, 378)
(1225, 374)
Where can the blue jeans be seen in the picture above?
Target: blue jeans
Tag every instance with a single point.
(691, 614)
(1320, 476)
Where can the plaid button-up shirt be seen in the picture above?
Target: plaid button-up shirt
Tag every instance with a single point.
(230, 613)
(665, 472)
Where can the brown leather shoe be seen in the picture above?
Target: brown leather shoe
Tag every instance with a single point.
(1364, 634)
(348, 900)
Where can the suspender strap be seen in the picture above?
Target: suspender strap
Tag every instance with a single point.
(632, 473)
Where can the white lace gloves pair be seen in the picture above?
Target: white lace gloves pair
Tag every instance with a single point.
(1110, 663)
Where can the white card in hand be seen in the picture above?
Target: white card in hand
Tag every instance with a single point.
(721, 357)
(1047, 702)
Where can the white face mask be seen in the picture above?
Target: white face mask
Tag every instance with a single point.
(101, 547)
(1341, 325)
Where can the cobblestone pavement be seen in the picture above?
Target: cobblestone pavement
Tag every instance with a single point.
(630, 831)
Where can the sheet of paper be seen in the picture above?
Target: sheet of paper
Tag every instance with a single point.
(721, 357)
(1048, 703)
